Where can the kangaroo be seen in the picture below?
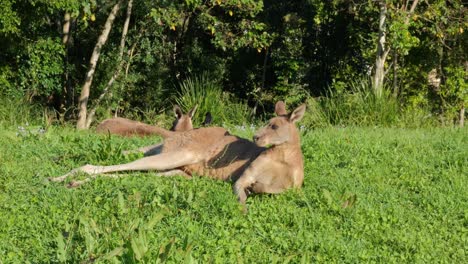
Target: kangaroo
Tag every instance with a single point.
(215, 153)
(126, 127)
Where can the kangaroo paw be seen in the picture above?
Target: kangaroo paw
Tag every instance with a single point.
(74, 184)
(63, 177)
(88, 169)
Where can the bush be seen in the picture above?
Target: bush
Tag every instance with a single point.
(16, 112)
(315, 117)
(359, 105)
(209, 97)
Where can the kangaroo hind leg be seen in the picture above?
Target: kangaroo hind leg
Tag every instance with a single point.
(162, 162)
(170, 173)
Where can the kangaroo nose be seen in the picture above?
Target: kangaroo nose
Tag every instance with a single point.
(255, 138)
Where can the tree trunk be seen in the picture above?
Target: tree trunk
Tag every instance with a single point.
(66, 28)
(411, 11)
(382, 52)
(68, 90)
(262, 87)
(125, 29)
(461, 120)
(118, 70)
(84, 97)
(462, 116)
(395, 76)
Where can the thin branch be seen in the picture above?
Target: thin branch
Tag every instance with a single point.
(85, 91)
(113, 78)
(117, 72)
(411, 11)
(125, 28)
(130, 58)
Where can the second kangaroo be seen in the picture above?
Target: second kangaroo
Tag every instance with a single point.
(126, 127)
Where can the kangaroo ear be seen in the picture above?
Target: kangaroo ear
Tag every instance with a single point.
(191, 113)
(178, 113)
(297, 114)
(208, 119)
(280, 108)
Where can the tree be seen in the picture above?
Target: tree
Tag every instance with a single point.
(85, 90)
(119, 66)
(446, 40)
(382, 48)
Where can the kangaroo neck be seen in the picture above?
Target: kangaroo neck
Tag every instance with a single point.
(286, 152)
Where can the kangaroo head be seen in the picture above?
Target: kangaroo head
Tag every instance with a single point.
(280, 129)
(183, 121)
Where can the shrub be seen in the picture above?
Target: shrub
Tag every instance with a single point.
(359, 105)
(17, 112)
(315, 117)
(209, 97)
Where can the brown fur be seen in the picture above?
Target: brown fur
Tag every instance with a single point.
(127, 128)
(214, 153)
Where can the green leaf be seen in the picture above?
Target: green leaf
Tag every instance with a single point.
(115, 252)
(156, 218)
(61, 251)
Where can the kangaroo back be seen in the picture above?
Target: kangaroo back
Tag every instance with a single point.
(127, 128)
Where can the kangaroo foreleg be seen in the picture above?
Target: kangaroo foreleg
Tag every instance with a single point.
(241, 186)
(262, 176)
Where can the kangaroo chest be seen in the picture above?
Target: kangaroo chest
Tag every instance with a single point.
(226, 159)
(288, 165)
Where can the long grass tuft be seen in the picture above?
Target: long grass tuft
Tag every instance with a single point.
(17, 112)
(209, 97)
(359, 105)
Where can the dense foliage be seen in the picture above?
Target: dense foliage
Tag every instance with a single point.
(257, 51)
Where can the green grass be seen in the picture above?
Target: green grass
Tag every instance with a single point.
(370, 195)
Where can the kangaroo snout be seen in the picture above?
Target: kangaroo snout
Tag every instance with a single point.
(260, 140)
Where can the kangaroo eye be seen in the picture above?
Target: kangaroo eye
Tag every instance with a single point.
(274, 127)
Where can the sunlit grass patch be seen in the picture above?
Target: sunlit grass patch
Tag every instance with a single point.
(383, 195)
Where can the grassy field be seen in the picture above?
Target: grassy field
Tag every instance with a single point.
(370, 195)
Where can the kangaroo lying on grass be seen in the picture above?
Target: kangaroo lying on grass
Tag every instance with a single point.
(214, 153)
(127, 127)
